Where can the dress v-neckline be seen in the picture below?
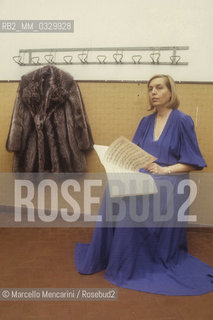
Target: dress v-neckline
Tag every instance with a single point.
(164, 128)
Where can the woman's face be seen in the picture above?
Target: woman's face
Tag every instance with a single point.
(159, 94)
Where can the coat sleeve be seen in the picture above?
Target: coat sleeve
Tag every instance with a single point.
(14, 138)
(189, 149)
(82, 130)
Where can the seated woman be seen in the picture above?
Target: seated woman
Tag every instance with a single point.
(153, 257)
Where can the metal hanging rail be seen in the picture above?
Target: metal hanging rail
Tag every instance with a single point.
(79, 56)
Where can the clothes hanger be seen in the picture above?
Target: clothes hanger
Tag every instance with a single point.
(18, 59)
(175, 59)
(137, 58)
(67, 59)
(101, 58)
(83, 57)
(155, 56)
(118, 57)
(35, 60)
(49, 58)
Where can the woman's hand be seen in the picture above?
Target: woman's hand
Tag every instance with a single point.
(154, 168)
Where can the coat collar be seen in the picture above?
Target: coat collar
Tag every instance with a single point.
(45, 84)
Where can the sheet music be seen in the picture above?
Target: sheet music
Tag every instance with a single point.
(124, 154)
(122, 161)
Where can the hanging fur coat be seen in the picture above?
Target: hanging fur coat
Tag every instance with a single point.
(49, 130)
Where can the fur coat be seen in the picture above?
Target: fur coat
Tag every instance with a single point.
(49, 130)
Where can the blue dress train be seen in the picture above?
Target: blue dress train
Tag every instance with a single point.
(146, 256)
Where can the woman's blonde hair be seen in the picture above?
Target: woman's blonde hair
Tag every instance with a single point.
(169, 82)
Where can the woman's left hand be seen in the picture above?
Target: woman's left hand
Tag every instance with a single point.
(154, 168)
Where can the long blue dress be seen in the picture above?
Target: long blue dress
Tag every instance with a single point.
(146, 257)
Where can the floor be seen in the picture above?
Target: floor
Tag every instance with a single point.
(41, 257)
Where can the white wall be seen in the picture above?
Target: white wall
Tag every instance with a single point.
(108, 23)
